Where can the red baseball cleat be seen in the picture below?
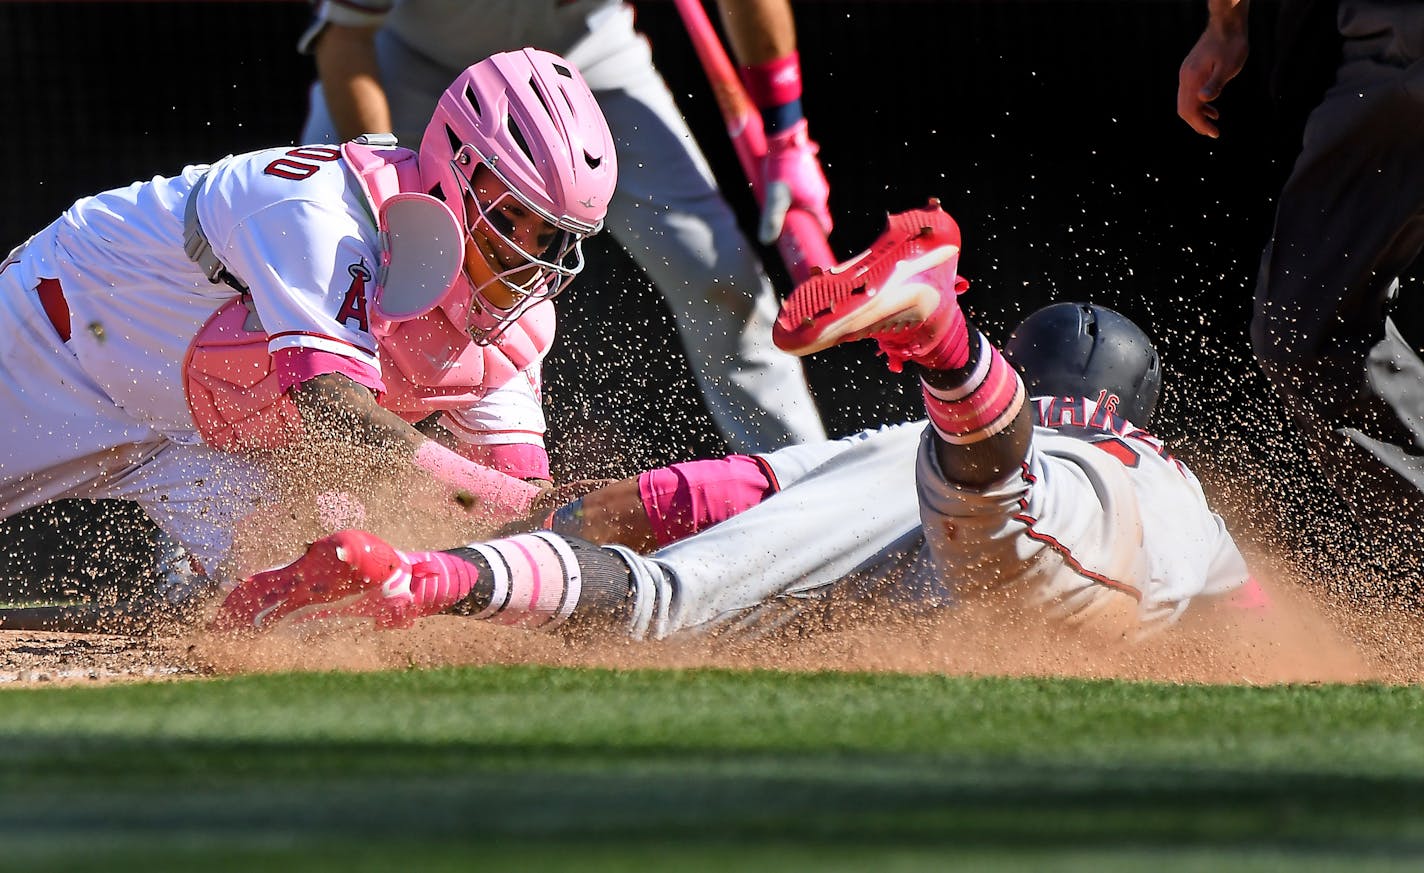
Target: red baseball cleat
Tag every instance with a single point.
(894, 292)
(335, 567)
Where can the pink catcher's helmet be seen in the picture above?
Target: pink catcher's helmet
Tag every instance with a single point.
(531, 120)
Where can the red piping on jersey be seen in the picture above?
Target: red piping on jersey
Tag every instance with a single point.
(451, 422)
(56, 308)
(770, 474)
(1067, 554)
(286, 333)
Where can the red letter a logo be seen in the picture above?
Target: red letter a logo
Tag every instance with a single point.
(353, 308)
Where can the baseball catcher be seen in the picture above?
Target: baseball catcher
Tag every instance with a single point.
(381, 65)
(167, 338)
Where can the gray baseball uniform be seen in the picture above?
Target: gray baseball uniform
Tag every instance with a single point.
(1099, 510)
(667, 213)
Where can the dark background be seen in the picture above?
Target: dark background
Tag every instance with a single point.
(1046, 127)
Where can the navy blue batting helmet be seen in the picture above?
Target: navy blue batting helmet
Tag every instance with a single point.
(1081, 350)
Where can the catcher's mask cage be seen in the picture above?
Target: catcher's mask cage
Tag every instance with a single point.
(543, 275)
(530, 119)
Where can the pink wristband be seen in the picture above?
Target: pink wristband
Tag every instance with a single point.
(683, 499)
(775, 82)
(498, 494)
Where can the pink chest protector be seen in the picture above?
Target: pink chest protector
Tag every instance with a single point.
(427, 363)
(232, 389)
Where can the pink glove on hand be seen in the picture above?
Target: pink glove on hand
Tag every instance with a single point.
(792, 178)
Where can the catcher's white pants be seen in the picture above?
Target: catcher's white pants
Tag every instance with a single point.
(62, 436)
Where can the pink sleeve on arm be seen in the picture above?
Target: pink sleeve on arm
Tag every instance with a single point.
(520, 460)
(503, 497)
(682, 499)
(297, 365)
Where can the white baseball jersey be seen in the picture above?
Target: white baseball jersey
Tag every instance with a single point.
(1098, 509)
(100, 415)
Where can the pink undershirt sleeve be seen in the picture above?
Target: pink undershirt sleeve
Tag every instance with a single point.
(297, 365)
(502, 496)
(682, 499)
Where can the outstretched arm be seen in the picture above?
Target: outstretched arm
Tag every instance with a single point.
(336, 409)
(351, 81)
(1218, 56)
(667, 504)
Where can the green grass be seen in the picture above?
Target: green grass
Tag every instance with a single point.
(535, 768)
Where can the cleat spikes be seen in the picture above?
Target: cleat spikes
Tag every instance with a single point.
(889, 289)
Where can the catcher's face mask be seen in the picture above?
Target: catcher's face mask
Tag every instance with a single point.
(514, 255)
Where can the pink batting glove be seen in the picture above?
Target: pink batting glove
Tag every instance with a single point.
(792, 178)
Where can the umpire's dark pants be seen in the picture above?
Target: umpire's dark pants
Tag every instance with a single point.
(1349, 221)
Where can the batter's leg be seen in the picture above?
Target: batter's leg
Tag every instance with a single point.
(671, 218)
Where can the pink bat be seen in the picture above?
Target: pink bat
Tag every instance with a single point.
(802, 244)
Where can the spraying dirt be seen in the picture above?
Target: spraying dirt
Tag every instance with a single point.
(1299, 639)
(1315, 630)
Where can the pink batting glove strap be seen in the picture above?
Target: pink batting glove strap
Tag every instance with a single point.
(430, 583)
(682, 499)
(438, 581)
(502, 496)
(793, 178)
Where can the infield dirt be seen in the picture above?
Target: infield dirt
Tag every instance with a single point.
(1300, 638)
